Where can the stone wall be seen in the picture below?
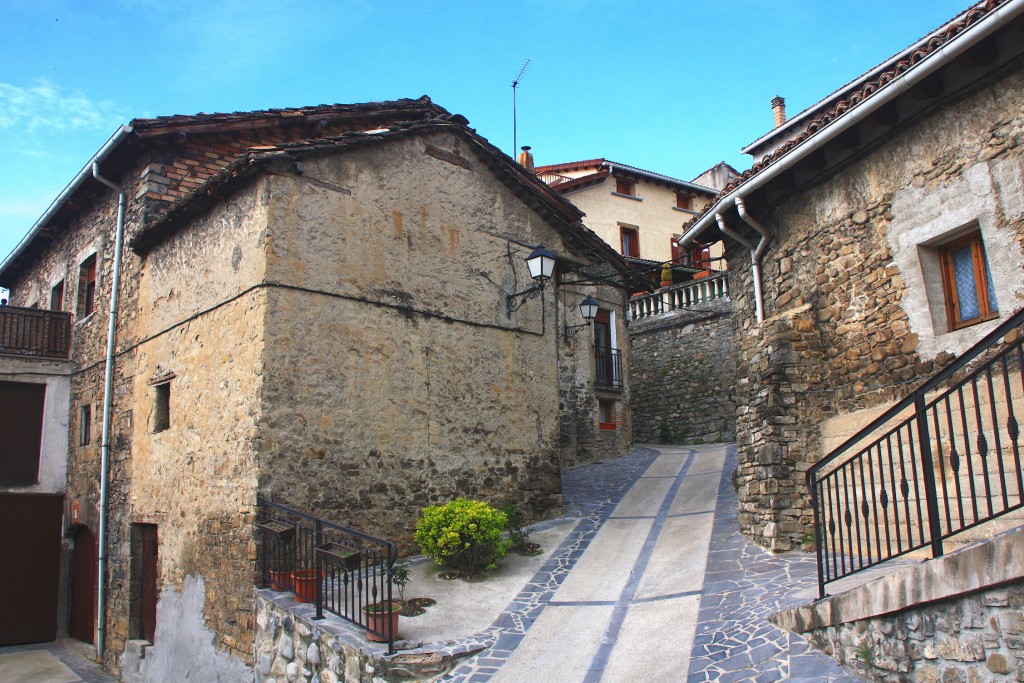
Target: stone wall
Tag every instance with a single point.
(293, 646)
(957, 618)
(684, 375)
(847, 320)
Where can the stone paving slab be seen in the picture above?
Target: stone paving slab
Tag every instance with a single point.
(60, 661)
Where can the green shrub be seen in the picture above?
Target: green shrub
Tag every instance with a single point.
(515, 525)
(664, 433)
(465, 534)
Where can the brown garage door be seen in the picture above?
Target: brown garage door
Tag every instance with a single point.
(30, 529)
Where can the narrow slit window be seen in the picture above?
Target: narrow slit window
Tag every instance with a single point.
(87, 287)
(162, 414)
(85, 425)
(57, 297)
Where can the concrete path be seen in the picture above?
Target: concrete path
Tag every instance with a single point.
(63, 661)
(654, 583)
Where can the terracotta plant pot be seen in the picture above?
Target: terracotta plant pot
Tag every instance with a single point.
(281, 581)
(307, 584)
(377, 617)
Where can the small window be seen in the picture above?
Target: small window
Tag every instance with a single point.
(625, 186)
(85, 425)
(684, 201)
(87, 287)
(57, 297)
(162, 415)
(606, 415)
(630, 241)
(677, 250)
(967, 282)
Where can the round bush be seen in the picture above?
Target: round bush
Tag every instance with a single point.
(465, 534)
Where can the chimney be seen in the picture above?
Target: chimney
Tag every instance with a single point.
(779, 110)
(526, 159)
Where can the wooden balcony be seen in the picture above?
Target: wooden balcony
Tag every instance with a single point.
(35, 332)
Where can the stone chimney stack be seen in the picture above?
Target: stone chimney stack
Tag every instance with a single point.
(526, 159)
(779, 110)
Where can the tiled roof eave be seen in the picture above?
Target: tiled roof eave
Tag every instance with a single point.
(977, 23)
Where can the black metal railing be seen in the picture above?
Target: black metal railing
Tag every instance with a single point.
(340, 570)
(943, 460)
(35, 332)
(609, 367)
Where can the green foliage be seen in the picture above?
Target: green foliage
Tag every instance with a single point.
(666, 272)
(664, 433)
(465, 534)
(865, 652)
(400, 577)
(698, 441)
(515, 525)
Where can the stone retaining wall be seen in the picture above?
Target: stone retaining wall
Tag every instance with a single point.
(292, 646)
(684, 375)
(955, 619)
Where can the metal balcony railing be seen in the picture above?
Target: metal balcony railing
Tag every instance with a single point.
(941, 461)
(35, 332)
(609, 367)
(338, 569)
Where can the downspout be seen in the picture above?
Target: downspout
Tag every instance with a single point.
(755, 251)
(108, 382)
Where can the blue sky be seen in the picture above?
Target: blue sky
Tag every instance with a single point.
(673, 87)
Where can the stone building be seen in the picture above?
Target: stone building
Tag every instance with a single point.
(880, 235)
(324, 306)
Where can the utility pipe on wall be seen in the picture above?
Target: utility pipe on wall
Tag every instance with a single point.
(108, 381)
(755, 251)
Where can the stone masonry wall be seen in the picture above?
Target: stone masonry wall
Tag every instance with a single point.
(976, 637)
(684, 375)
(843, 330)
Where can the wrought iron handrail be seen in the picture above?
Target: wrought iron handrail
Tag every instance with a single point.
(340, 570)
(35, 332)
(932, 475)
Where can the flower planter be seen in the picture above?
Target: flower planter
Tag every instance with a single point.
(339, 555)
(280, 530)
(377, 616)
(307, 584)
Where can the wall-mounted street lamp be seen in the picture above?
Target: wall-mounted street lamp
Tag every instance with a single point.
(588, 309)
(541, 263)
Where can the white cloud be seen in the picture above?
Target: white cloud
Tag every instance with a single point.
(48, 106)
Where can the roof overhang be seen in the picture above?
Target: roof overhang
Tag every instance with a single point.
(873, 111)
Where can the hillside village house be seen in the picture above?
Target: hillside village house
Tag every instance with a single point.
(879, 237)
(639, 213)
(328, 307)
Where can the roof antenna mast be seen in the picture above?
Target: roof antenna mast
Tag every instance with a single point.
(515, 85)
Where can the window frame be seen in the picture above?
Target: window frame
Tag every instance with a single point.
(684, 200)
(57, 296)
(87, 286)
(85, 424)
(161, 406)
(635, 231)
(951, 295)
(608, 407)
(625, 186)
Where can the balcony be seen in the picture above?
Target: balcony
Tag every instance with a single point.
(609, 367)
(34, 332)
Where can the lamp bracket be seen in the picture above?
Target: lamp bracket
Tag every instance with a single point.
(514, 301)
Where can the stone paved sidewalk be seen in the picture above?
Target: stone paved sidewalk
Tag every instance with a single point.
(742, 585)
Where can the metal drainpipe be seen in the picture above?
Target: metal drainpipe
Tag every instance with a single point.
(755, 261)
(755, 255)
(108, 381)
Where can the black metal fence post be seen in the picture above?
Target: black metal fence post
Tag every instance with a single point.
(319, 585)
(931, 494)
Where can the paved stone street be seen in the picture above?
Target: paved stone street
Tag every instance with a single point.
(654, 583)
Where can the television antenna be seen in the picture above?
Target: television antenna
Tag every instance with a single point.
(515, 86)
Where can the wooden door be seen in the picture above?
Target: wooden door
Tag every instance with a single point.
(21, 427)
(30, 532)
(83, 587)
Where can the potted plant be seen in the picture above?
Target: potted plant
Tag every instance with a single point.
(307, 584)
(666, 274)
(379, 617)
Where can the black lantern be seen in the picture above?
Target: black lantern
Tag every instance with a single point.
(541, 263)
(588, 309)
